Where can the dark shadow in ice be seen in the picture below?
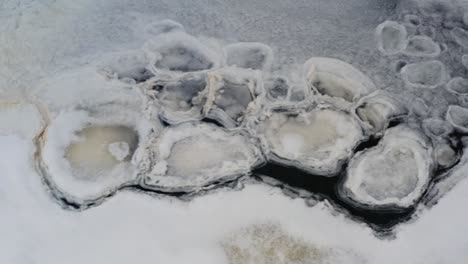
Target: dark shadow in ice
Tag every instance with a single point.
(382, 220)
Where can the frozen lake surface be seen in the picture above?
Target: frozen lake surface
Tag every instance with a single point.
(244, 132)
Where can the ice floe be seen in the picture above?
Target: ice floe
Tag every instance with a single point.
(318, 140)
(458, 117)
(391, 37)
(233, 93)
(393, 174)
(428, 74)
(445, 155)
(458, 85)
(337, 79)
(191, 156)
(378, 110)
(177, 98)
(87, 154)
(460, 36)
(436, 128)
(422, 46)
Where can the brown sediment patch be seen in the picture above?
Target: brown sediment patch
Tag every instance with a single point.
(268, 243)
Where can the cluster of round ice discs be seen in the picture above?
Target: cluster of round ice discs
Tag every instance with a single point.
(185, 114)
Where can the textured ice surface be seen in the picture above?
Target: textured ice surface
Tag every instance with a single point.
(464, 61)
(131, 66)
(163, 26)
(378, 110)
(437, 128)
(232, 94)
(319, 140)
(120, 149)
(391, 37)
(178, 98)
(180, 52)
(461, 36)
(393, 173)
(276, 88)
(422, 46)
(445, 155)
(458, 85)
(41, 38)
(429, 74)
(87, 154)
(190, 156)
(458, 117)
(249, 55)
(335, 78)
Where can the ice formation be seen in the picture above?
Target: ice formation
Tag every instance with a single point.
(191, 156)
(422, 46)
(337, 79)
(437, 128)
(232, 95)
(276, 88)
(180, 52)
(378, 110)
(419, 108)
(178, 98)
(317, 234)
(461, 36)
(86, 155)
(319, 140)
(249, 55)
(391, 37)
(161, 27)
(131, 66)
(429, 74)
(185, 114)
(458, 85)
(445, 155)
(464, 61)
(458, 117)
(395, 173)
